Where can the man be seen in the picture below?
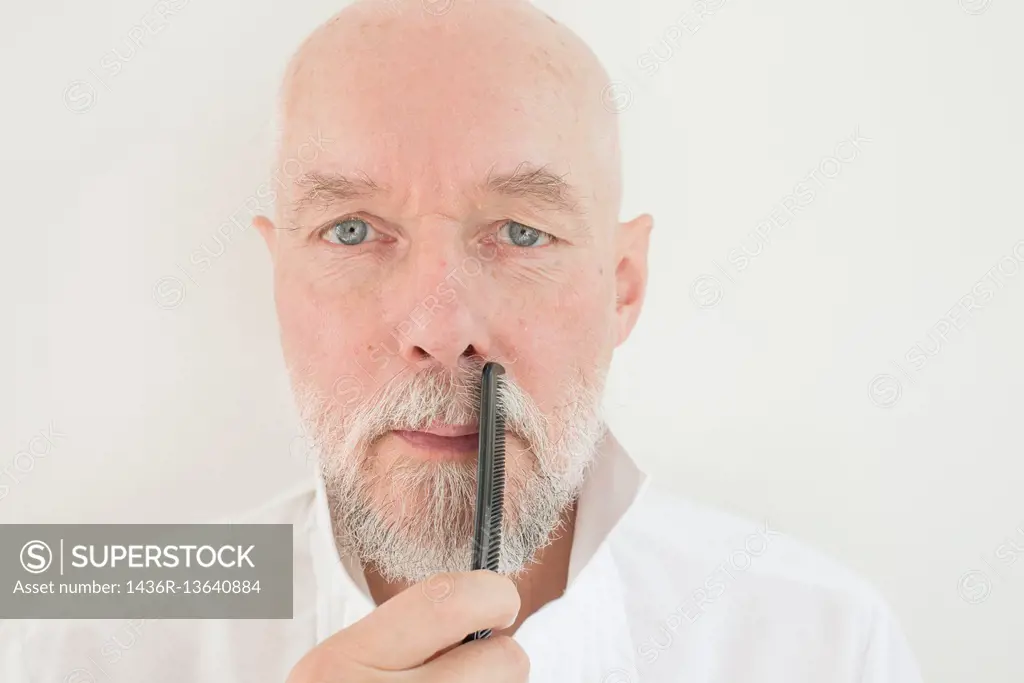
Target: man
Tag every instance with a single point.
(465, 210)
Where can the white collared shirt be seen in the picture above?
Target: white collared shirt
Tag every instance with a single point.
(659, 590)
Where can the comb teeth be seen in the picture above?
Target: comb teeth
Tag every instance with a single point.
(498, 483)
(490, 495)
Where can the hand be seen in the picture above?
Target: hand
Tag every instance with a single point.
(398, 641)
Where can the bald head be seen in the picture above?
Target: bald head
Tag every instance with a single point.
(426, 80)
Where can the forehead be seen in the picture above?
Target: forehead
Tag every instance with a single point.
(437, 120)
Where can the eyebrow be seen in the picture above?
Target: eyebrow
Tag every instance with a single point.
(325, 187)
(536, 184)
(539, 185)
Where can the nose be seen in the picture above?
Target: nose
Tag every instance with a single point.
(448, 320)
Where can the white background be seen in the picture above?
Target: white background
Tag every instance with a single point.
(755, 391)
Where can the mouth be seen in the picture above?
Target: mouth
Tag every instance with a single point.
(443, 442)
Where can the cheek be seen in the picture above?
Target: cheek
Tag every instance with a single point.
(322, 336)
(560, 334)
(580, 314)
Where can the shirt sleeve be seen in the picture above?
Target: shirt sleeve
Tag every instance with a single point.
(888, 658)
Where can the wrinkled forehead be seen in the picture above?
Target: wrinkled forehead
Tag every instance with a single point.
(433, 123)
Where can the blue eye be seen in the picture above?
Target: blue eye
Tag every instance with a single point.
(523, 235)
(350, 231)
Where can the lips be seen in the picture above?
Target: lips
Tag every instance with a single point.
(439, 429)
(460, 444)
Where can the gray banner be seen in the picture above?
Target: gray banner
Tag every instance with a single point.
(160, 571)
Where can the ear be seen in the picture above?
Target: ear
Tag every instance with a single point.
(268, 232)
(631, 272)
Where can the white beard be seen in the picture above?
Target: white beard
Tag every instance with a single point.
(415, 519)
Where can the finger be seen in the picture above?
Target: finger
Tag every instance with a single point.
(498, 659)
(427, 617)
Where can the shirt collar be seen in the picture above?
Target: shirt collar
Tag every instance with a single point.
(611, 487)
(612, 484)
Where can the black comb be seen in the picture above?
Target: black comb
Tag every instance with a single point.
(490, 477)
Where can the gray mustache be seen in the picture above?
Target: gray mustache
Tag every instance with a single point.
(448, 396)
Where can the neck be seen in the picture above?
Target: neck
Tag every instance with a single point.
(541, 581)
